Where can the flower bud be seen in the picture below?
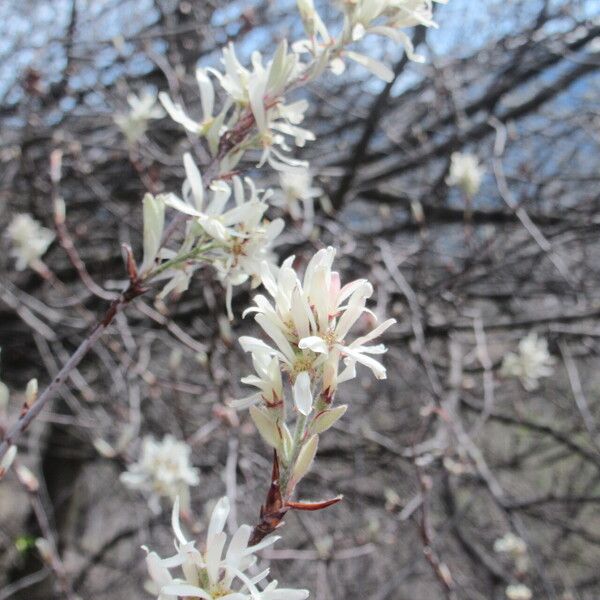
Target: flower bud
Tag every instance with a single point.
(266, 427)
(323, 421)
(287, 443)
(27, 478)
(305, 458)
(60, 210)
(154, 222)
(45, 549)
(104, 448)
(175, 359)
(31, 393)
(7, 461)
(4, 396)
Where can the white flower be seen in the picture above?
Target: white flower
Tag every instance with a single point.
(29, 240)
(518, 591)
(532, 362)
(510, 544)
(297, 193)
(134, 123)
(163, 470)
(209, 573)
(309, 325)
(465, 173)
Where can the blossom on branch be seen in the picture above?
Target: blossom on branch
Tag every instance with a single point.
(531, 363)
(465, 173)
(163, 470)
(297, 193)
(233, 218)
(308, 322)
(255, 115)
(29, 240)
(143, 108)
(361, 18)
(209, 573)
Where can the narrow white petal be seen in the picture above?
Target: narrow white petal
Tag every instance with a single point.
(185, 590)
(303, 398)
(314, 343)
(175, 522)
(218, 519)
(377, 68)
(373, 334)
(195, 179)
(378, 369)
(178, 204)
(207, 93)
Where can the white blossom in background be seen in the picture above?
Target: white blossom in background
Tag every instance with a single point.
(518, 591)
(510, 544)
(143, 108)
(308, 322)
(515, 548)
(163, 470)
(465, 173)
(362, 18)
(29, 240)
(212, 573)
(530, 363)
(297, 194)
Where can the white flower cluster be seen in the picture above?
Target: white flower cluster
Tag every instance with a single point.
(143, 108)
(163, 470)
(29, 240)
(230, 216)
(361, 18)
(309, 323)
(210, 575)
(531, 363)
(465, 173)
(255, 114)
